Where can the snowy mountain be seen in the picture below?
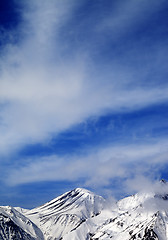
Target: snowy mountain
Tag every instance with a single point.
(141, 216)
(82, 215)
(135, 220)
(14, 225)
(66, 213)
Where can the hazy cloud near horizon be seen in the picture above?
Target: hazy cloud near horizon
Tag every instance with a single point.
(52, 79)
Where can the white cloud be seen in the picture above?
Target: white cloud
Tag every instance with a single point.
(150, 186)
(97, 167)
(43, 91)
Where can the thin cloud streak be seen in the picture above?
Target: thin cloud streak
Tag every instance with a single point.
(128, 15)
(97, 167)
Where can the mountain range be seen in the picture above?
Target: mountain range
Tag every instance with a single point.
(82, 215)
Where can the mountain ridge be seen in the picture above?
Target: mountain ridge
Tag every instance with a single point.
(82, 215)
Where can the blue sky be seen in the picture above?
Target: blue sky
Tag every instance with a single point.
(83, 97)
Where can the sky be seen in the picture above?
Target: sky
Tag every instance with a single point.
(83, 97)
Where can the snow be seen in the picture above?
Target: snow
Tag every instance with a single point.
(67, 212)
(81, 215)
(9, 214)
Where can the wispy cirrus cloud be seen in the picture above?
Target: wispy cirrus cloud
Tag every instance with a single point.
(97, 167)
(126, 16)
(57, 75)
(44, 90)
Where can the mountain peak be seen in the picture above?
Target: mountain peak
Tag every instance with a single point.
(81, 214)
(82, 190)
(163, 181)
(66, 212)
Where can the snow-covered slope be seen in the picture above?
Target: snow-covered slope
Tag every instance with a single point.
(13, 225)
(142, 216)
(82, 215)
(66, 213)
